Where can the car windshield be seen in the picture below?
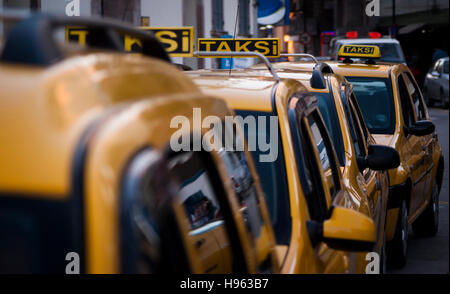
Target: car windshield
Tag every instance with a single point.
(375, 99)
(328, 110)
(390, 52)
(272, 176)
(446, 66)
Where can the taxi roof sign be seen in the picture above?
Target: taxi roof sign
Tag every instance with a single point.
(359, 51)
(269, 47)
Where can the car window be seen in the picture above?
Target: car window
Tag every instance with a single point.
(308, 169)
(243, 184)
(361, 120)
(416, 97)
(376, 102)
(353, 126)
(407, 110)
(199, 197)
(445, 67)
(331, 119)
(325, 151)
(360, 143)
(272, 175)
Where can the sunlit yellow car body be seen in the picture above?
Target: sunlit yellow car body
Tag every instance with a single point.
(250, 90)
(369, 188)
(69, 130)
(422, 163)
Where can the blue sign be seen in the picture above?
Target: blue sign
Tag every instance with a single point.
(226, 63)
(271, 11)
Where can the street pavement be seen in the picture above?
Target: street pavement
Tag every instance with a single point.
(431, 255)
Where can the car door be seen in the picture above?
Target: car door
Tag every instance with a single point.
(434, 77)
(429, 141)
(360, 137)
(318, 173)
(412, 149)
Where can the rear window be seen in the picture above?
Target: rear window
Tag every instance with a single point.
(273, 180)
(375, 99)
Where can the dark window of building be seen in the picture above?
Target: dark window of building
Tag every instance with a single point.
(244, 17)
(217, 17)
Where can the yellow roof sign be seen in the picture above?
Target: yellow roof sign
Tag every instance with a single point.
(178, 41)
(359, 51)
(270, 47)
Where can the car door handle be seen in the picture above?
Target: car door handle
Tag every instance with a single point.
(200, 243)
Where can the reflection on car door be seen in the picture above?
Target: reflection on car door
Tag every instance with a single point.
(412, 147)
(429, 141)
(315, 155)
(372, 178)
(198, 196)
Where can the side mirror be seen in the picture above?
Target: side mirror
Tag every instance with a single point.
(435, 74)
(420, 128)
(346, 230)
(379, 158)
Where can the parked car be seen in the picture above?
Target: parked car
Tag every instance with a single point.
(435, 87)
(353, 143)
(298, 170)
(396, 114)
(88, 171)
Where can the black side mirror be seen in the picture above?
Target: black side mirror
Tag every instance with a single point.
(379, 158)
(420, 128)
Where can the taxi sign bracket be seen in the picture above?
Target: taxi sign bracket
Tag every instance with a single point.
(300, 55)
(240, 54)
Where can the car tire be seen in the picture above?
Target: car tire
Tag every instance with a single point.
(426, 225)
(398, 247)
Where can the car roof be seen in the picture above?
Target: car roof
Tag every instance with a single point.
(45, 110)
(367, 41)
(246, 89)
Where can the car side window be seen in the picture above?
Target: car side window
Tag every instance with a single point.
(416, 97)
(243, 184)
(361, 120)
(353, 125)
(308, 169)
(198, 192)
(324, 148)
(407, 110)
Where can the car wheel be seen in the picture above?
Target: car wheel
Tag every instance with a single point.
(397, 248)
(426, 225)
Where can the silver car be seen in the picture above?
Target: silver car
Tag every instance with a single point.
(435, 88)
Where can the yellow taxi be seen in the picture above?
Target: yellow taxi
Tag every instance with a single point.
(395, 113)
(366, 180)
(90, 180)
(298, 170)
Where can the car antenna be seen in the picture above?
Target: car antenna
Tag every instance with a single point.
(234, 36)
